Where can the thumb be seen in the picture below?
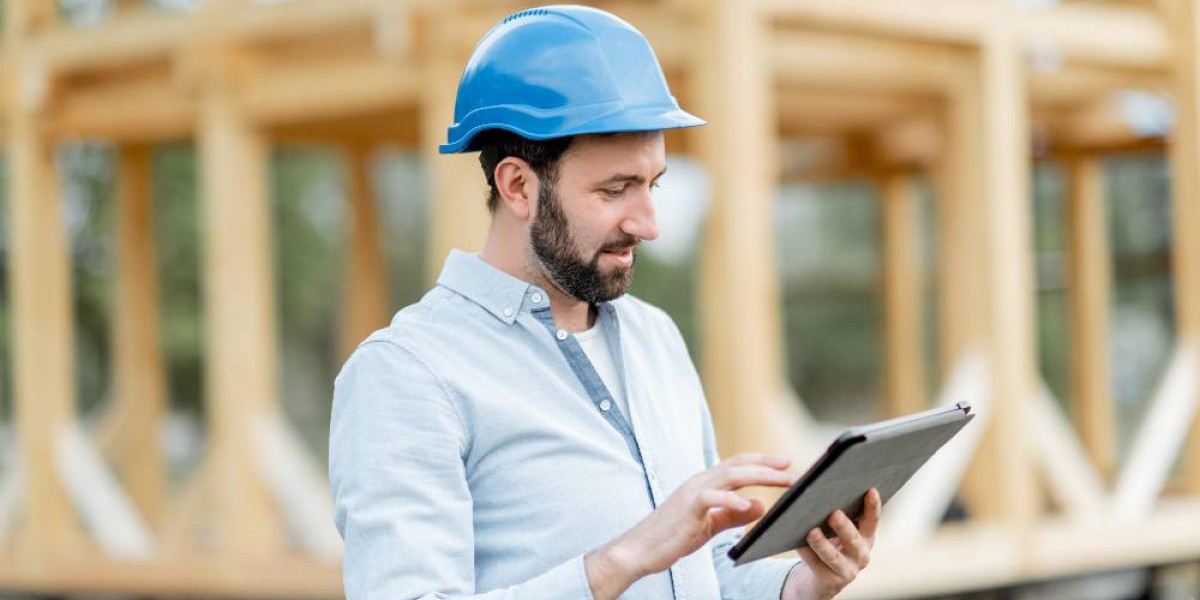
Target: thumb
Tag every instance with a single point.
(725, 518)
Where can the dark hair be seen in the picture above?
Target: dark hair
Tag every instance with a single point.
(496, 145)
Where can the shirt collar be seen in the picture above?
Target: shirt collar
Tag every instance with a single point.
(497, 292)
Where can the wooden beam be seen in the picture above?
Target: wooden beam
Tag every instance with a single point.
(330, 89)
(854, 63)
(129, 6)
(301, 19)
(1161, 437)
(366, 304)
(459, 217)
(1123, 37)
(664, 26)
(818, 158)
(1089, 280)
(805, 112)
(1185, 198)
(909, 144)
(985, 557)
(41, 318)
(913, 143)
(386, 128)
(739, 288)
(1069, 474)
(904, 370)
(6, 87)
(29, 19)
(870, 64)
(138, 37)
(147, 109)
(287, 577)
(1075, 84)
(243, 360)
(188, 515)
(1100, 123)
(135, 112)
(139, 373)
(147, 36)
(990, 557)
(1010, 279)
(962, 257)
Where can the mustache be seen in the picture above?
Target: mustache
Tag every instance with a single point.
(624, 242)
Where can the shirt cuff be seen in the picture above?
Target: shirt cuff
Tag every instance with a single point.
(790, 566)
(772, 575)
(567, 581)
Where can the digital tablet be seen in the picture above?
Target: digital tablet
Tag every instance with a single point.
(882, 455)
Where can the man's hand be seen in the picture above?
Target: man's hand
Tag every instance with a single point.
(831, 564)
(702, 507)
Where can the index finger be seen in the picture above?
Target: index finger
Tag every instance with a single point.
(736, 477)
(754, 458)
(872, 508)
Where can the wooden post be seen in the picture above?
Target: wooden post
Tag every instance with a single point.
(739, 297)
(963, 299)
(1006, 143)
(139, 373)
(365, 304)
(459, 215)
(243, 361)
(128, 6)
(1185, 156)
(903, 289)
(961, 222)
(1088, 291)
(41, 318)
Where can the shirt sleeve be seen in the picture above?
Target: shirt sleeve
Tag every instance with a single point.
(758, 580)
(401, 502)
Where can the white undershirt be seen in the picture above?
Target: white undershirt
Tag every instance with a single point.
(595, 344)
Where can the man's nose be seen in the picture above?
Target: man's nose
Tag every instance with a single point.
(641, 221)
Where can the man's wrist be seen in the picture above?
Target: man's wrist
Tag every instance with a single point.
(788, 585)
(611, 569)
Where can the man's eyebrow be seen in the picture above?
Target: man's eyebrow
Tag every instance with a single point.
(624, 177)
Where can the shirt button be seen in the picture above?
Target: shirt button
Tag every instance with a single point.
(561, 335)
(605, 405)
(508, 311)
(536, 297)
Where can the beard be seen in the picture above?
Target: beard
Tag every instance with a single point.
(578, 276)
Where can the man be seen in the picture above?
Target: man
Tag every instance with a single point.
(527, 430)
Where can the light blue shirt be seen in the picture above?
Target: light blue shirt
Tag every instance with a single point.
(475, 453)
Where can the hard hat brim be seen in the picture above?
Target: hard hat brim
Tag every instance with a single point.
(652, 118)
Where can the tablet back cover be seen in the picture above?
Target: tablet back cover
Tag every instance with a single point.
(881, 457)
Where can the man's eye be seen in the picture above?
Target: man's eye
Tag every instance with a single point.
(614, 191)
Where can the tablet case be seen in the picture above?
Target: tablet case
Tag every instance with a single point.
(883, 455)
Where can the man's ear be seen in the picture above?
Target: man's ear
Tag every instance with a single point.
(515, 182)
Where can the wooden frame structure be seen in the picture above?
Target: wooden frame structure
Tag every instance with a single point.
(940, 87)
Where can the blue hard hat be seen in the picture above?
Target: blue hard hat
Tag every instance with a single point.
(558, 71)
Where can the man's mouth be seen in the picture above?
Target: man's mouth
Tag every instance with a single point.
(622, 256)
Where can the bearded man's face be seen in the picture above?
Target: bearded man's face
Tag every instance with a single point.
(590, 218)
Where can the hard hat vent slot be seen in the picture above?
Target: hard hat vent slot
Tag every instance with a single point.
(526, 13)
